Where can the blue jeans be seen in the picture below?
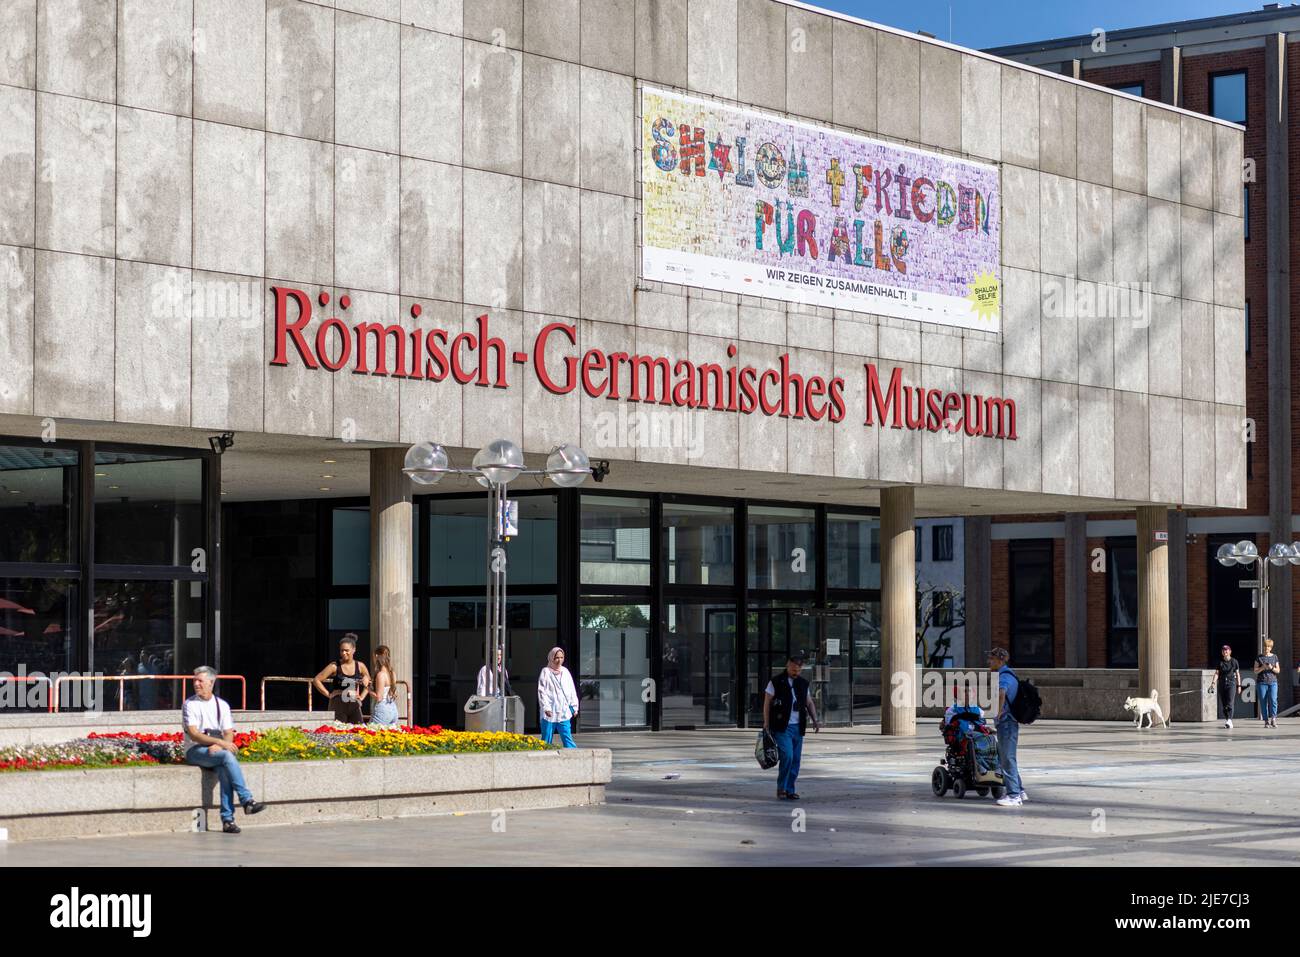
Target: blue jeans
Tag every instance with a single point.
(1008, 740)
(550, 727)
(1267, 694)
(789, 745)
(385, 713)
(229, 775)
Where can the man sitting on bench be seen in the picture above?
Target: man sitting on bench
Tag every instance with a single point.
(210, 743)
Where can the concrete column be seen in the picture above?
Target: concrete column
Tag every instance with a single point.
(1171, 77)
(1278, 200)
(1153, 601)
(898, 611)
(1072, 69)
(391, 623)
(979, 589)
(1178, 589)
(1076, 590)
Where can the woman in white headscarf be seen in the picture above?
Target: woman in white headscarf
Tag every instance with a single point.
(557, 699)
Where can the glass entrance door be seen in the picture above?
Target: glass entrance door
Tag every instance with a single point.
(826, 644)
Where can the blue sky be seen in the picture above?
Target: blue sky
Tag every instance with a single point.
(999, 22)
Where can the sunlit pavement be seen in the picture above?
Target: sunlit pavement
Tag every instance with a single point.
(1100, 793)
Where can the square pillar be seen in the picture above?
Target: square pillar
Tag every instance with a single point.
(390, 562)
(1153, 601)
(1076, 590)
(1277, 177)
(898, 611)
(979, 587)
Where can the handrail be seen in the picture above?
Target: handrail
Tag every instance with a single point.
(49, 706)
(310, 683)
(123, 679)
(307, 681)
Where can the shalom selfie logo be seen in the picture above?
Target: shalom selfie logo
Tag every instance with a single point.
(76, 910)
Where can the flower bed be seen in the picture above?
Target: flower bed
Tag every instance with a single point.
(327, 742)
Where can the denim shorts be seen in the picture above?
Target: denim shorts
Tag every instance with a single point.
(385, 712)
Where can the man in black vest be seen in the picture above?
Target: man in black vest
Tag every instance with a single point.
(787, 709)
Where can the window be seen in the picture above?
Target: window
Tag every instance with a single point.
(1245, 212)
(615, 645)
(1228, 96)
(615, 541)
(942, 543)
(943, 603)
(1030, 573)
(852, 551)
(699, 544)
(782, 547)
(1133, 89)
(1121, 605)
(148, 508)
(37, 495)
(1250, 460)
(1247, 327)
(917, 547)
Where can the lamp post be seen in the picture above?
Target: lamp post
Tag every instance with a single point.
(1245, 553)
(494, 467)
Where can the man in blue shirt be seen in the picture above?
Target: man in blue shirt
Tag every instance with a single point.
(1008, 729)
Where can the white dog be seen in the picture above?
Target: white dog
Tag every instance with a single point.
(1145, 708)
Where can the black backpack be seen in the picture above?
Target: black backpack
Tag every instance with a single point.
(1027, 704)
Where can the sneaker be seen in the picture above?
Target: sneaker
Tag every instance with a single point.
(229, 827)
(780, 795)
(792, 795)
(1009, 801)
(254, 807)
(1228, 724)
(1024, 797)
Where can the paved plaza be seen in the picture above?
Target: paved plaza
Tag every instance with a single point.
(1101, 794)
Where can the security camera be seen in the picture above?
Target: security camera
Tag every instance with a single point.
(600, 470)
(219, 443)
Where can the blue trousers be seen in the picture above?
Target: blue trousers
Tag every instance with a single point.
(1267, 694)
(1008, 740)
(549, 728)
(229, 775)
(789, 745)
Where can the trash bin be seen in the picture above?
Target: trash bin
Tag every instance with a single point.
(484, 713)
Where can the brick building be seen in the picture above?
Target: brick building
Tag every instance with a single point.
(1235, 68)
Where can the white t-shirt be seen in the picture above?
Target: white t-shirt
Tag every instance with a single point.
(208, 716)
(794, 705)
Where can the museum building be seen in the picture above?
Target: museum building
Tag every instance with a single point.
(796, 283)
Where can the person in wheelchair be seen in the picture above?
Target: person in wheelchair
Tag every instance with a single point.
(971, 753)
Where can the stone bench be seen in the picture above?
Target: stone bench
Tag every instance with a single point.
(116, 801)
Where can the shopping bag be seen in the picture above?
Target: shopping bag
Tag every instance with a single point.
(765, 751)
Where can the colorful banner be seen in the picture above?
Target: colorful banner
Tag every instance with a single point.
(749, 203)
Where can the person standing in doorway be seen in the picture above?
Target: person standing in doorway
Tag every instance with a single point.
(349, 678)
(1267, 668)
(1008, 729)
(787, 709)
(1229, 678)
(557, 699)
